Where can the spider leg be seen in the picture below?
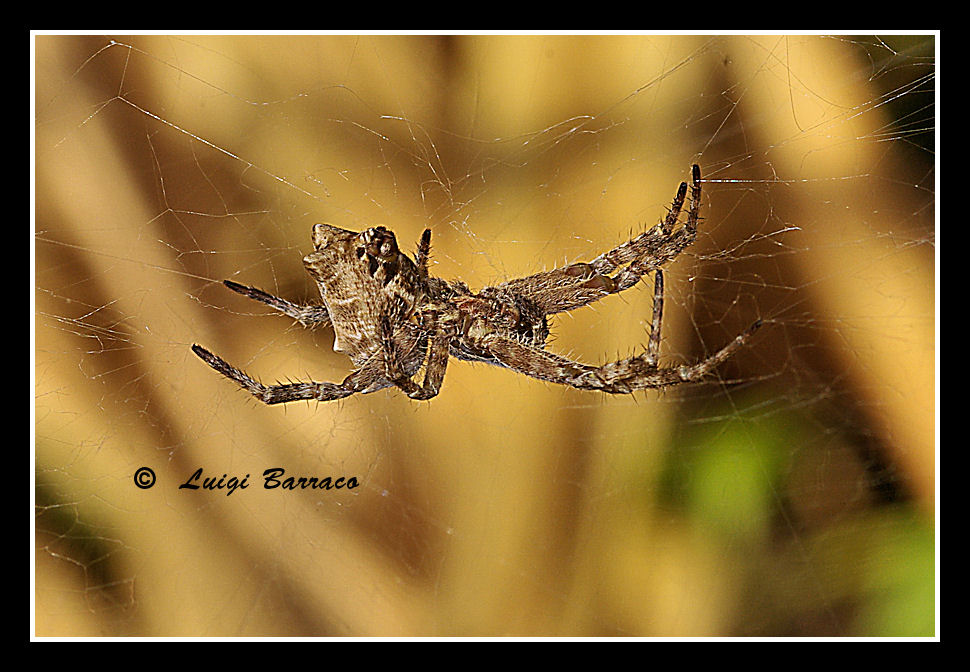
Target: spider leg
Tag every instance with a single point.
(620, 377)
(281, 393)
(424, 252)
(436, 362)
(308, 316)
(653, 345)
(434, 373)
(576, 285)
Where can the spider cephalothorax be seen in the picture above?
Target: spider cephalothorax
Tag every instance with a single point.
(391, 318)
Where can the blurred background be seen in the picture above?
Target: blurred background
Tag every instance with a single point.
(792, 494)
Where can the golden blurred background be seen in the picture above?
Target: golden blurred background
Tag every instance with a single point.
(792, 494)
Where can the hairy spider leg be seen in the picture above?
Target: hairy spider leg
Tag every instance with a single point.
(620, 377)
(372, 376)
(308, 315)
(653, 345)
(645, 253)
(577, 285)
(424, 253)
(436, 356)
(670, 246)
(276, 394)
(436, 361)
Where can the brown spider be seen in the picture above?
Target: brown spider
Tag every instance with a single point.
(391, 318)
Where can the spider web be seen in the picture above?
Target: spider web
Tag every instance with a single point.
(792, 494)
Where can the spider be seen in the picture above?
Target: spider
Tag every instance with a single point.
(392, 318)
